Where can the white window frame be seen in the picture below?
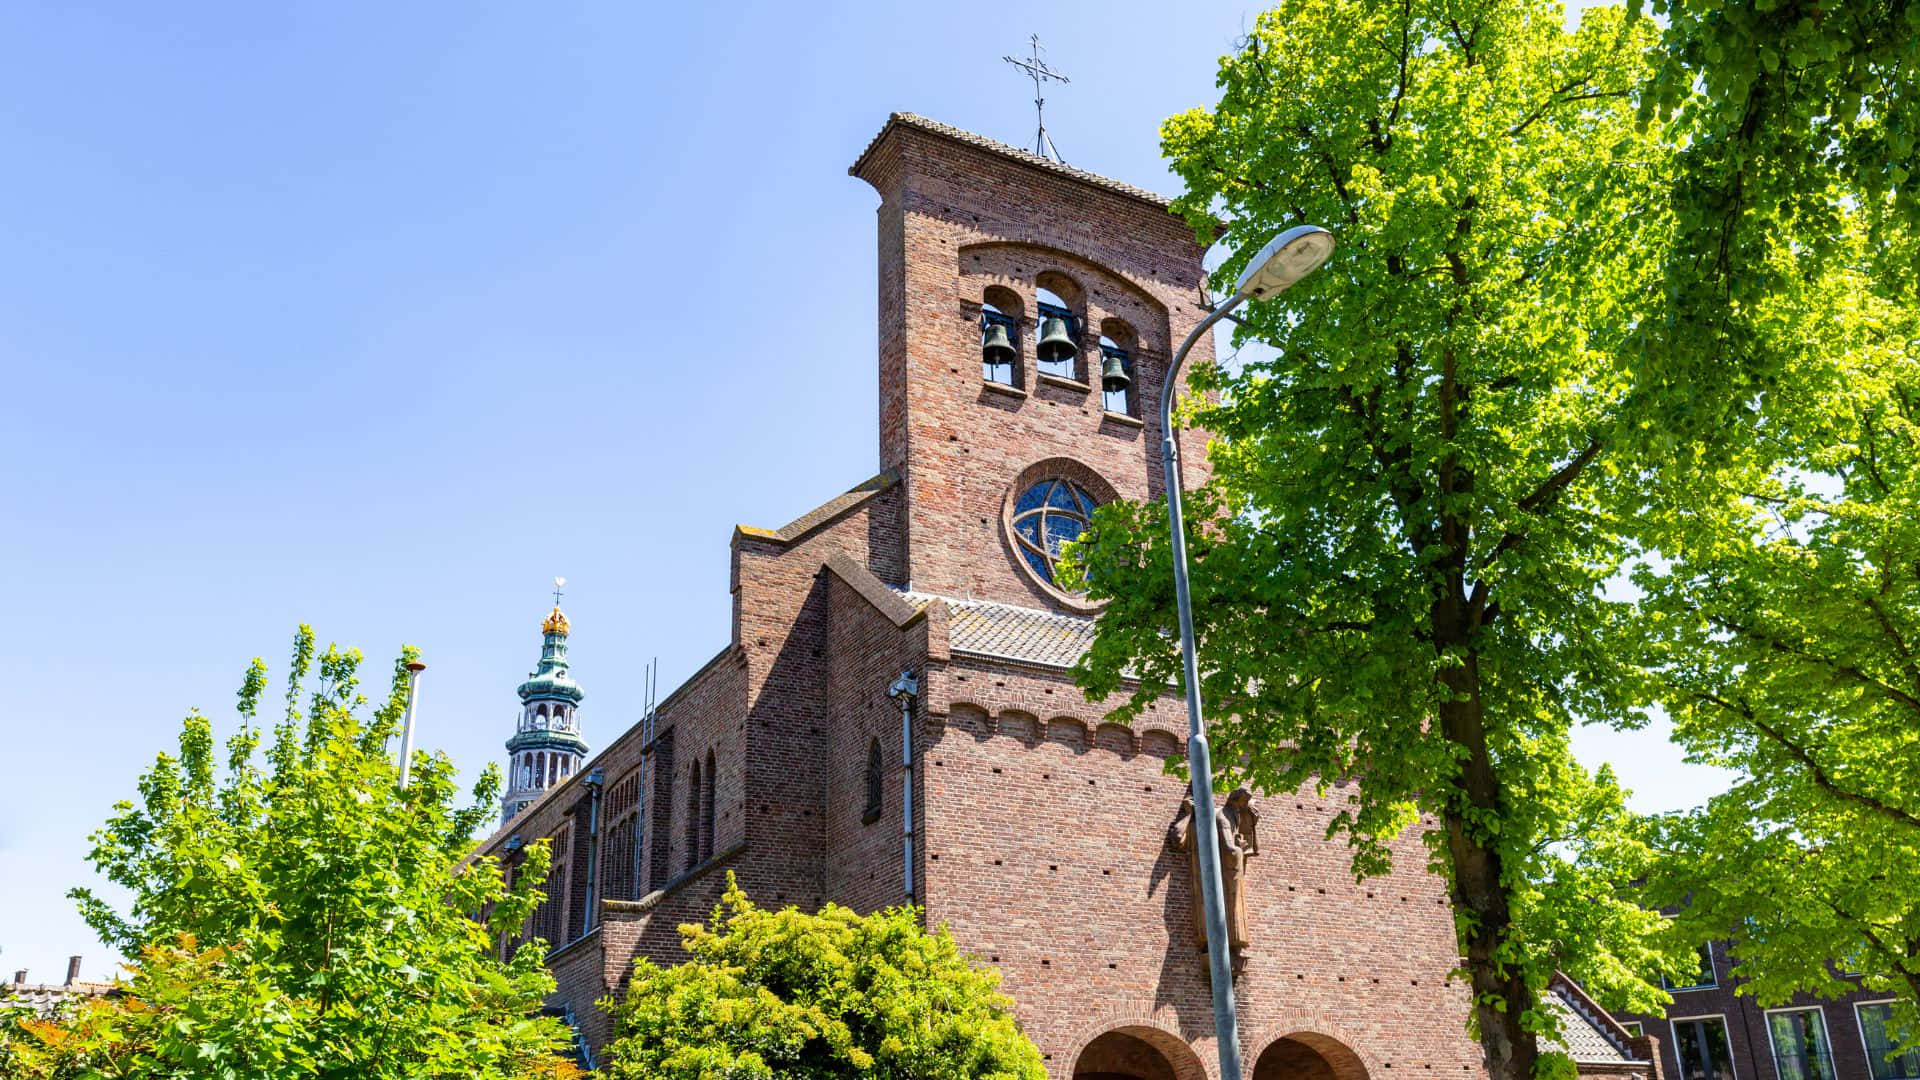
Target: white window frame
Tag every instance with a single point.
(1713, 976)
(1860, 1029)
(1826, 1031)
(1726, 1030)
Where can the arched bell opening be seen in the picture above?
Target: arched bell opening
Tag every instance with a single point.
(1306, 1055)
(1138, 1053)
(1057, 330)
(1118, 344)
(1000, 316)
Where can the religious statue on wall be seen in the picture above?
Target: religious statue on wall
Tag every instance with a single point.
(1234, 823)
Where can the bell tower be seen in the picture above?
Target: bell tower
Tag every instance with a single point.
(1028, 310)
(546, 746)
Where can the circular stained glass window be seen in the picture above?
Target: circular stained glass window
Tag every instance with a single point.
(1046, 516)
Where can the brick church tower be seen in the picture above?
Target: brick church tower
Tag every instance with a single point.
(893, 719)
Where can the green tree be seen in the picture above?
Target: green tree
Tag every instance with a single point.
(786, 994)
(304, 916)
(1782, 627)
(1401, 560)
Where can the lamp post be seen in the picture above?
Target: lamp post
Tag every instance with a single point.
(414, 668)
(1289, 257)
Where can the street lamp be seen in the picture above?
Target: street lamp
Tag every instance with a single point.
(414, 668)
(1289, 257)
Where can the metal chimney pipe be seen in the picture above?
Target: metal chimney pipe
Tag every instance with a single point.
(20, 977)
(73, 970)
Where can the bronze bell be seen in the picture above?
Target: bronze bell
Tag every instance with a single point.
(995, 346)
(1113, 373)
(1056, 344)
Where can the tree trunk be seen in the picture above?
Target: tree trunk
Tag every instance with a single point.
(1499, 1000)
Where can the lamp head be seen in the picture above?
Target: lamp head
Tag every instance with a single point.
(1286, 259)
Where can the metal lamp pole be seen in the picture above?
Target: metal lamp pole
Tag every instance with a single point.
(1291, 256)
(414, 668)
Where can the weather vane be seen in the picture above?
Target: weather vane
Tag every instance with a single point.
(1038, 69)
(558, 584)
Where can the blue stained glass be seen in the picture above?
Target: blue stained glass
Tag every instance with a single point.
(1047, 516)
(1038, 562)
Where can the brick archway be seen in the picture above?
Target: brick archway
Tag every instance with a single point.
(1137, 1052)
(1308, 1055)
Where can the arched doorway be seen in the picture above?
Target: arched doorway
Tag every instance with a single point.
(1137, 1052)
(1305, 1055)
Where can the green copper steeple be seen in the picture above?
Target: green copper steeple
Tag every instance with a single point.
(546, 746)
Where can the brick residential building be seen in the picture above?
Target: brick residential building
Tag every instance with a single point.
(893, 720)
(1713, 1033)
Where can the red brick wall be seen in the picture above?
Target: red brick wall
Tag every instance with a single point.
(864, 867)
(968, 218)
(1047, 856)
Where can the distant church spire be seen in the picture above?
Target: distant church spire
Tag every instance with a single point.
(546, 746)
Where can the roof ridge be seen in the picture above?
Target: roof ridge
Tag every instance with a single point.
(997, 603)
(1025, 157)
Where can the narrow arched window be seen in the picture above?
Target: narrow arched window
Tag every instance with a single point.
(707, 810)
(695, 789)
(876, 780)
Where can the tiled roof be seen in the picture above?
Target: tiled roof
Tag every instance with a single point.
(45, 1001)
(1009, 632)
(1027, 157)
(1581, 1038)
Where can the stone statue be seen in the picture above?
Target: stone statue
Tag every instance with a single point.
(1234, 823)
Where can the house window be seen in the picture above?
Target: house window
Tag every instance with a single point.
(1876, 1030)
(1704, 979)
(876, 779)
(1047, 516)
(1633, 1028)
(1800, 1047)
(1701, 1045)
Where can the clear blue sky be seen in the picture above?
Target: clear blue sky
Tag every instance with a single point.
(379, 316)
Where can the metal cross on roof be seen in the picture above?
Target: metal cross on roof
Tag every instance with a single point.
(558, 584)
(1038, 69)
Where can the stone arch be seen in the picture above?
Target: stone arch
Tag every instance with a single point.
(1137, 1051)
(1306, 1055)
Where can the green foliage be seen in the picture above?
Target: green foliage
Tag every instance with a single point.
(1400, 572)
(1630, 298)
(785, 994)
(306, 918)
(1780, 629)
